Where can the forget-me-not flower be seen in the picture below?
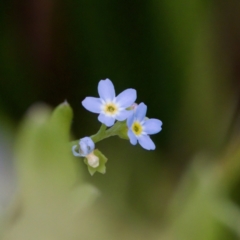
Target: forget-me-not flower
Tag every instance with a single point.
(108, 106)
(139, 127)
(86, 148)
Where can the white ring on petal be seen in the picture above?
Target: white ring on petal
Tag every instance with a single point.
(107, 113)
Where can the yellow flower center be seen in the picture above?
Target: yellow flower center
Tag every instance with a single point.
(110, 109)
(137, 128)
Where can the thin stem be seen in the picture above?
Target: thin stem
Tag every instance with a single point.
(100, 134)
(103, 133)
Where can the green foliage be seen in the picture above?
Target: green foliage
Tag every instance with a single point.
(52, 193)
(202, 207)
(102, 161)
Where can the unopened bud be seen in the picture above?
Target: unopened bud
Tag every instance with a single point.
(93, 160)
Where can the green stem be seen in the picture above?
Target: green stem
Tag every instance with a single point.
(103, 133)
(100, 134)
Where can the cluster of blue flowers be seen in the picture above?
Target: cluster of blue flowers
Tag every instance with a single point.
(121, 108)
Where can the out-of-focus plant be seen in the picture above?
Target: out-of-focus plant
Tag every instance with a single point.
(202, 207)
(52, 193)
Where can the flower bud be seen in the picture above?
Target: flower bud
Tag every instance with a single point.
(93, 160)
(86, 146)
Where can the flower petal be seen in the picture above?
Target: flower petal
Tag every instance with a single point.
(130, 119)
(132, 137)
(152, 126)
(126, 98)
(92, 104)
(107, 120)
(86, 146)
(146, 142)
(141, 112)
(123, 115)
(106, 90)
(76, 154)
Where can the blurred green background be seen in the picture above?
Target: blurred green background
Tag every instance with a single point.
(182, 57)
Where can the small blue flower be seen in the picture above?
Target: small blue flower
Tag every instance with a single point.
(86, 146)
(86, 149)
(108, 106)
(139, 127)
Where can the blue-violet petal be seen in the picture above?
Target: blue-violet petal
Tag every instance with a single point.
(146, 142)
(76, 154)
(92, 104)
(106, 90)
(107, 120)
(152, 126)
(86, 146)
(130, 119)
(123, 115)
(126, 98)
(132, 137)
(141, 112)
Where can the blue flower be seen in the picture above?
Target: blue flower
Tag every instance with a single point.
(139, 127)
(86, 149)
(86, 146)
(108, 106)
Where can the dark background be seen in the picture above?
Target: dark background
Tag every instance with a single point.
(182, 57)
